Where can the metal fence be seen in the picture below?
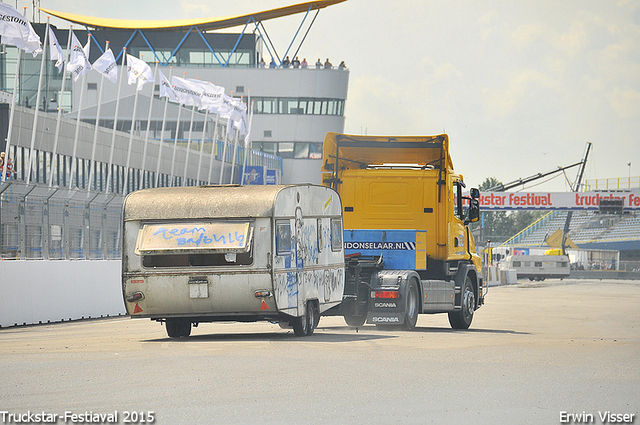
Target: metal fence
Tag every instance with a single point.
(38, 222)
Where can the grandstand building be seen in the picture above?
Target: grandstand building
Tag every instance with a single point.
(64, 197)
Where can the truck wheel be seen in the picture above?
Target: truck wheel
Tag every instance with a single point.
(461, 319)
(301, 324)
(412, 307)
(355, 321)
(178, 328)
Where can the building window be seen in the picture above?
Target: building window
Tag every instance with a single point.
(239, 89)
(298, 106)
(285, 149)
(267, 133)
(92, 86)
(268, 147)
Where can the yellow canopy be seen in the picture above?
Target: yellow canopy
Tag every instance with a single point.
(204, 24)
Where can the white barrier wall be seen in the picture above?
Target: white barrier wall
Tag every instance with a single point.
(36, 291)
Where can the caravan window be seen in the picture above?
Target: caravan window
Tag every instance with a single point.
(283, 237)
(195, 244)
(336, 234)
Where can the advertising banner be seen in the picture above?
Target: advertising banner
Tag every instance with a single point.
(576, 201)
(271, 177)
(254, 175)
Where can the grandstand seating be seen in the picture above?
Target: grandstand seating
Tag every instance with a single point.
(585, 227)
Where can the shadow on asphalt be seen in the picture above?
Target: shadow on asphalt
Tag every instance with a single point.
(324, 334)
(318, 336)
(471, 330)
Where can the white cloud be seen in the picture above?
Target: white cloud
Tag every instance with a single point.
(626, 103)
(195, 8)
(520, 88)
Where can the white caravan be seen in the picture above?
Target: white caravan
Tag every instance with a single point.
(233, 253)
(538, 267)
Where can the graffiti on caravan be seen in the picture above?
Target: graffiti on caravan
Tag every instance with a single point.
(501, 201)
(175, 237)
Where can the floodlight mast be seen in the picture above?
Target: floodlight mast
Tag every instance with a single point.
(567, 222)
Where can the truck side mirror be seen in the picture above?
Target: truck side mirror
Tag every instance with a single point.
(473, 213)
(475, 193)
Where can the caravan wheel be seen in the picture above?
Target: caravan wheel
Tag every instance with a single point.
(301, 324)
(304, 325)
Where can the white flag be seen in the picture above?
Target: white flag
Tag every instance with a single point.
(212, 96)
(107, 66)
(17, 31)
(166, 90)
(139, 72)
(236, 111)
(188, 93)
(227, 106)
(55, 51)
(247, 138)
(79, 59)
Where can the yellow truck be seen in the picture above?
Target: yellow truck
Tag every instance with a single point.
(408, 247)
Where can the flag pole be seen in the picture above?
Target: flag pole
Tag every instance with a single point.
(204, 129)
(175, 142)
(57, 134)
(224, 153)
(213, 146)
(186, 158)
(146, 136)
(7, 146)
(95, 130)
(115, 122)
(164, 121)
(235, 150)
(77, 134)
(37, 104)
(133, 122)
(247, 141)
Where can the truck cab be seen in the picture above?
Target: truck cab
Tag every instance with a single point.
(406, 229)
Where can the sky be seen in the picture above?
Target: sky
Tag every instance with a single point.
(520, 87)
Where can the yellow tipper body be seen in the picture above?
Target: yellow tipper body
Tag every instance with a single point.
(400, 183)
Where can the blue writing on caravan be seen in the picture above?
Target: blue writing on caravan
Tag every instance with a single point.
(168, 234)
(198, 236)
